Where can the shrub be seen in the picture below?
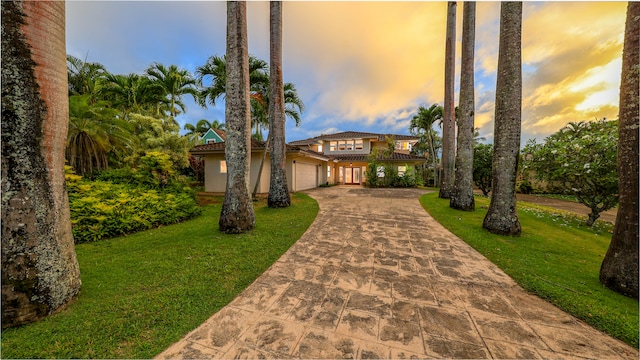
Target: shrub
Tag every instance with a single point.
(582, 159)
(482, 162)
(525, 187)
(103, 209)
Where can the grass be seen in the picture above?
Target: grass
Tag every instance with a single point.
(143, 292)
(557, 257)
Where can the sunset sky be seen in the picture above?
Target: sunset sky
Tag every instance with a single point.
(367, 66)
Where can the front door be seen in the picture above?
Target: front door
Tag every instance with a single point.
(352, 175)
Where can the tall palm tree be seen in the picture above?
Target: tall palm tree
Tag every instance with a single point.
(214, 70)
(502, 216)
(448, 124)
(176, 83)
(278, 188)
(84, 76)
(422, 124)
(462, 195)
(94, 131)
(619, 269)
(237, 215)
(40, 272)
(133, 93)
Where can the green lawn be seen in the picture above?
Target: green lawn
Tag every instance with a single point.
(143, 292)
(557, 258)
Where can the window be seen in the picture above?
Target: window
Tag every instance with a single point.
(319, 148)
(328, 172)
(342, 145)
(223, 167)
(359, 144)
(401, 170)
(211, 141)
(349, 145)
(333, 146)
(380, 171)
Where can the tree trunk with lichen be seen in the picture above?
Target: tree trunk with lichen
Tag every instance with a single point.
(449, 117)
(40, 272)
(619, 269)
(237, 214)
(462, 195)
(502, 216)
(278, 188)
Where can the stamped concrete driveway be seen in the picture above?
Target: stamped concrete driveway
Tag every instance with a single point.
(376, 277)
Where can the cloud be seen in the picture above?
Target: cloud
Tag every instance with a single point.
(572, 53)
(368, 65)
(365, 61)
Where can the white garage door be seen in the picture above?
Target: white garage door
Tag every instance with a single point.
(306, 176)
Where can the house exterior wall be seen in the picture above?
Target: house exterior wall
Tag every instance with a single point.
(366, 147)
(215, 181)
(321, 170)
(211, 135)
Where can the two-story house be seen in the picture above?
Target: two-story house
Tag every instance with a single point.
(349, 153)
(339, 158)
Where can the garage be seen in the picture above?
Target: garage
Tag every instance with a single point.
(306, 176)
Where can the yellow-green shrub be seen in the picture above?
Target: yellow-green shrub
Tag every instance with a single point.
(101, 209)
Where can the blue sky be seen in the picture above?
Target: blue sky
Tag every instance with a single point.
(367, 66)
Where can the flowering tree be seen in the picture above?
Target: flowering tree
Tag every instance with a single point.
(581, 159)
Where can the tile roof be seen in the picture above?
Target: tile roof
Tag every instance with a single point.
(220, 146)
(352, 135)
(221, 133)
(255, 145)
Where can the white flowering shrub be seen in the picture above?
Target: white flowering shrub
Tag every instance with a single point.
(582, 159)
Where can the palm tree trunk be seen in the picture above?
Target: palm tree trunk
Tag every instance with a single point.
(462, 196)
(264, 158)
(434, 159)
(448, 126)
(40, 272)
(237, 214)
(502, 217)
(278, 188)
(619, 269)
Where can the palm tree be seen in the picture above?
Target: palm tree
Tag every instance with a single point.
(477, 139)
(619, 269)
(215, 70)
(237, 215)
(502, 216)
(462, 195)
(448, 128)
(40, 272)
(422, 125)
(202, 126)
(278, 188)
(176, 83)
(94, 131)
(84, 76)
(134, 94)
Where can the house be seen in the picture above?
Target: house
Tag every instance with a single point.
(349, 153)
(339, 158)
(213, 136)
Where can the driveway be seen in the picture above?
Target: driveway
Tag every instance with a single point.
(376, 277)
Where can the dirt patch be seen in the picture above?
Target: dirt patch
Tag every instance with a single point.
(574, 207)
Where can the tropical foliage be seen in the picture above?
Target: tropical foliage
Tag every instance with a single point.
(581, 159)
(429, 144)
(123, 131)
(482, 162)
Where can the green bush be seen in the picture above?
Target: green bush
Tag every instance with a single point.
(525, 187)
(103, 209)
